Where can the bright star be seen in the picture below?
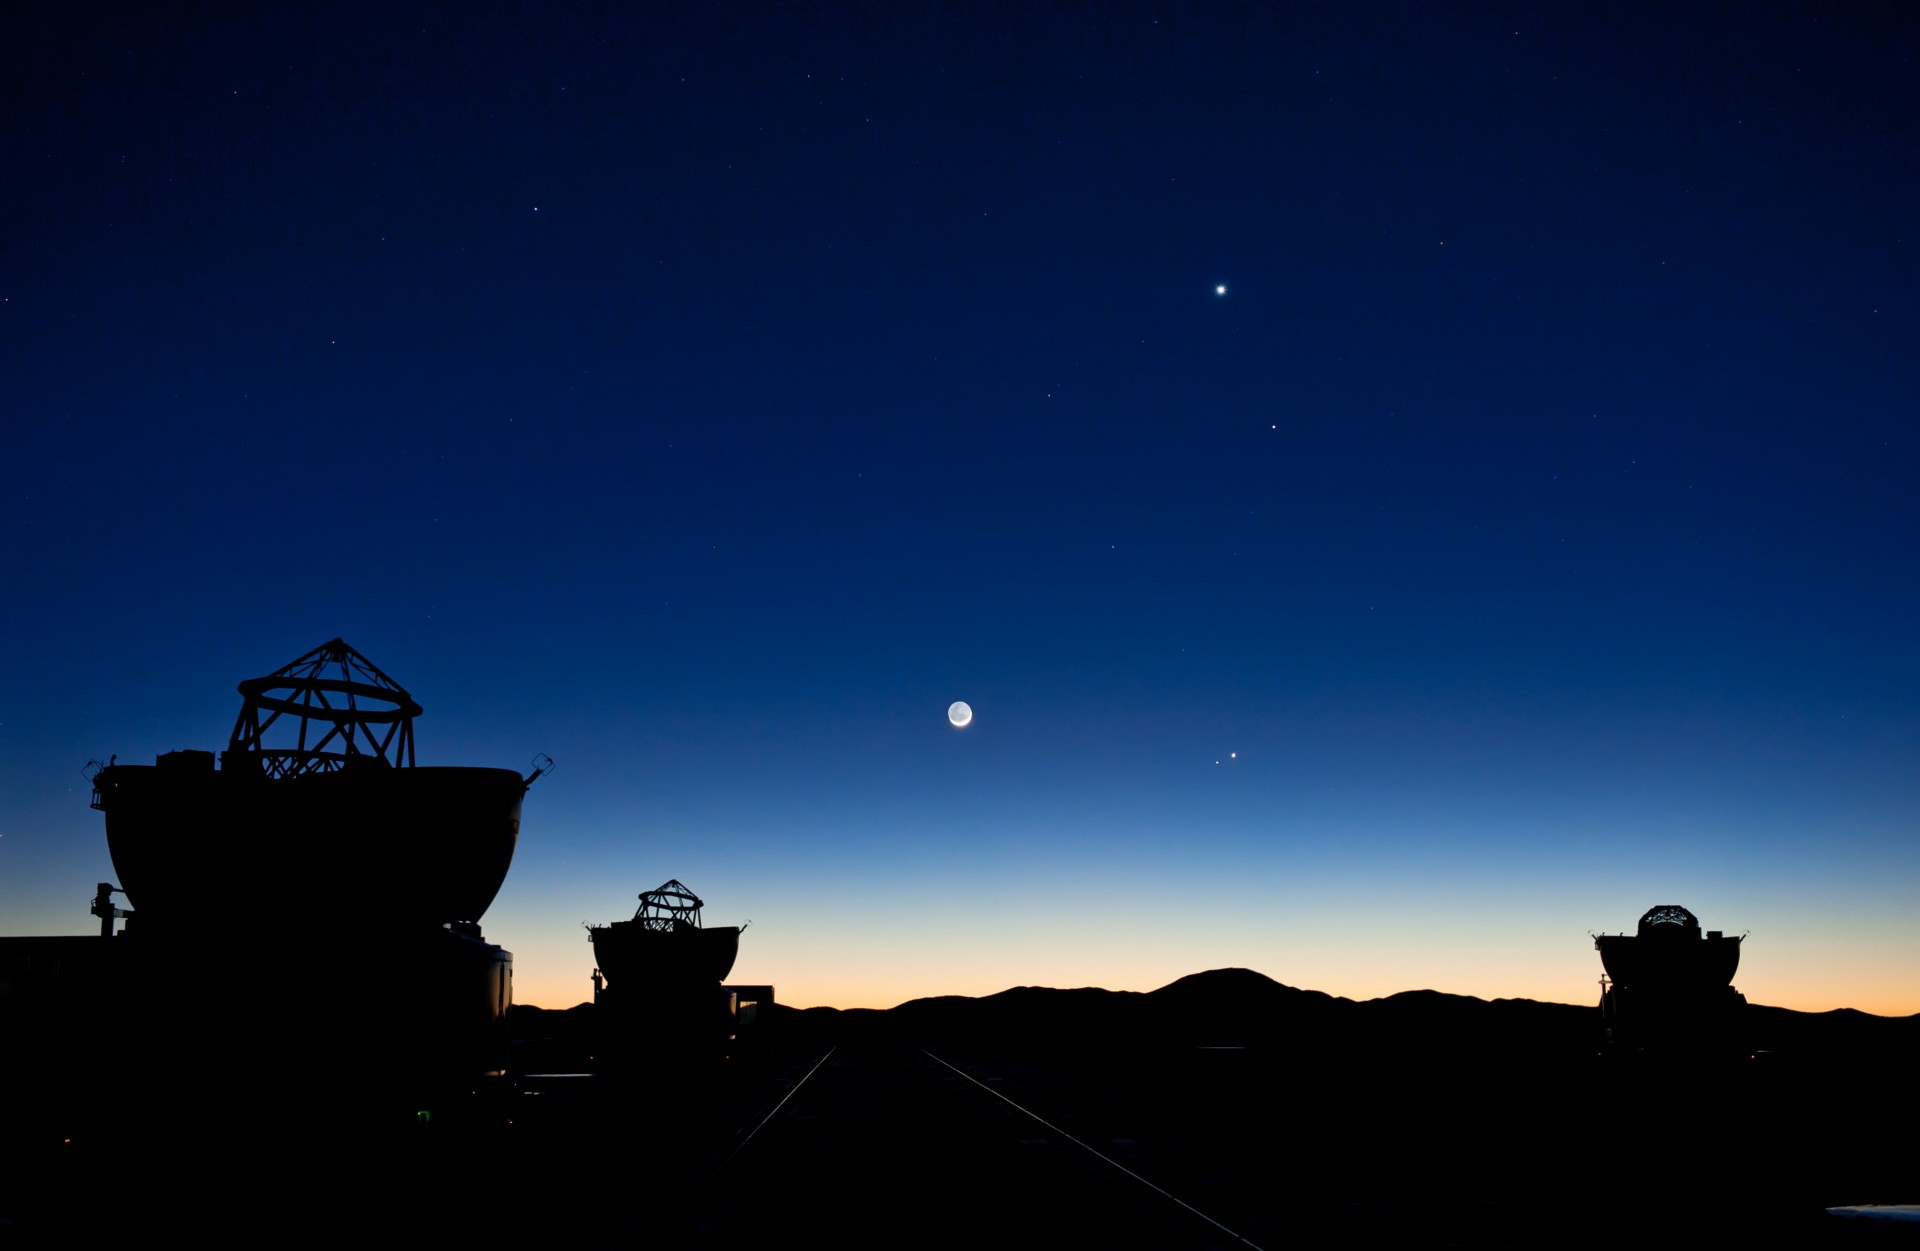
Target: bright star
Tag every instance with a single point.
(1221, 289)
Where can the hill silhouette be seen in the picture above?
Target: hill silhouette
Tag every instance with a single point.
(1237, 1007)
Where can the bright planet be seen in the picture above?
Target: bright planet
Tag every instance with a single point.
(959, 714)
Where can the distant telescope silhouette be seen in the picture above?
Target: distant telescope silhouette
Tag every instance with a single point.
(660, 1011)
(1668, 986)
(665, 942)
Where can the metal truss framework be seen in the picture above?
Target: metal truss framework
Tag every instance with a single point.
(345, 710)
(669, 906)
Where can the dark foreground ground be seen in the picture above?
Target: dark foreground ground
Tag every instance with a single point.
(893, 1136)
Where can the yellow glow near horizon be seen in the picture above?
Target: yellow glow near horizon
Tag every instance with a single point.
(799, 989)
(885, 948)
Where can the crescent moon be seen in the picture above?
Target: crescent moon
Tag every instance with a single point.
(960, 714)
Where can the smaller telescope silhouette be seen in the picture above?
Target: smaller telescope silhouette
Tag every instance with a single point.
(665, 943)
(1668, 986)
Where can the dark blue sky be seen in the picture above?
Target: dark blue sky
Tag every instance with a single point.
(708, 396)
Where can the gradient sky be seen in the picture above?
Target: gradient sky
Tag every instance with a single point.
(708, 395)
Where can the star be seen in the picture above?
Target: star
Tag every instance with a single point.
(1220, 289)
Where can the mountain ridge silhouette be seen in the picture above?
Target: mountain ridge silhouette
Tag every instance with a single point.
(1242, 1007)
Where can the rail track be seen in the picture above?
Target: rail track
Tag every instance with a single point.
(890, 1145)
(881, 1143)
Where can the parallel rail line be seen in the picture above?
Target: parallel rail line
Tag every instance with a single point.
(1097, 1154)
(733, 1157)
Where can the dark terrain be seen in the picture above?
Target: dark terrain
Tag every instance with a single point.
(1262, 1114)
(1420, 1119)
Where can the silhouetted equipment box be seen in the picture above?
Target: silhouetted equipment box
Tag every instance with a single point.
(56, 1000)
(753, 1005)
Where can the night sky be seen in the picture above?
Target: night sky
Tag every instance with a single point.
(709, 395)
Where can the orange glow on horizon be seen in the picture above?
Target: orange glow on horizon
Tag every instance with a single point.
(815, 992)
